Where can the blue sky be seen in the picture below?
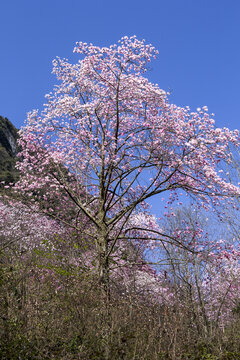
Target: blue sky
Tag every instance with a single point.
(198, 43)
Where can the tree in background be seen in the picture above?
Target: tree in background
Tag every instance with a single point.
(108, 140)
(206, 279)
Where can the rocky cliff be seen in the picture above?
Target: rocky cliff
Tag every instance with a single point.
(8, 150)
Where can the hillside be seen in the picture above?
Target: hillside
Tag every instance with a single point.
(55, 306)
(8, 150)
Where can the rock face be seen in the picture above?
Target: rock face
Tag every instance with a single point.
(8, 151)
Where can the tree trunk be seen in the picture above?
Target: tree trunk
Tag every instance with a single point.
(104, 281)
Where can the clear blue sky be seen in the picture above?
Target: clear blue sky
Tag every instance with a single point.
(198, 41)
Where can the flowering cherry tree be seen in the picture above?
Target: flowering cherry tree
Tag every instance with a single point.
(21, 227)
(108, 140)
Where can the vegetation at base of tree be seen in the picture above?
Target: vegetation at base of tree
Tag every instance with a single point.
(42, 320)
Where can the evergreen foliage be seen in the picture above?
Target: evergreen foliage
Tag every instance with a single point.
(8, 150)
